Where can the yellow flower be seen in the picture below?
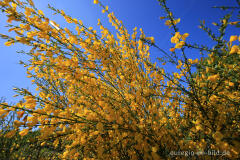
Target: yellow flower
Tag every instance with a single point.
(176, 21)
(2, 111)
(40, 12)
(23, 132)
(80, 22)
(177, 75)
(195, 61)
(168, 23)
(180, 44)
(106, 8)
(224, 21)
(213, 78)
(154, 149)
(31, 2)
(75, 21)
(43, 143)
(233, 38)
(14, 5)
(190, 61)
(198, 127)
(20, 114)
(172, 49)
(140, 44)
(150, 39)
(28, 11)
(207, 69)
(234, 23)
(234, 49)
(179, 64)
(184, 36)
(231, 84)
(8, 43)
(95, 1)
(174, 40)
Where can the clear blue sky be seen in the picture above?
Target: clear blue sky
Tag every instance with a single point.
(134, 13)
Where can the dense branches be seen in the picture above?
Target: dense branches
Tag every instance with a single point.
(99, 95)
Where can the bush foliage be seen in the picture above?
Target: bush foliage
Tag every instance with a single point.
(99, 96)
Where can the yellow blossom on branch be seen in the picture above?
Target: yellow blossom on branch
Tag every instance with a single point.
(213, 78)
(23, 132)
(170, 23)
(233, 38)
(180, 44)
(235, 49)
(95, 1)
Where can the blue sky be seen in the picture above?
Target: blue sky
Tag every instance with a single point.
(134, 13)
